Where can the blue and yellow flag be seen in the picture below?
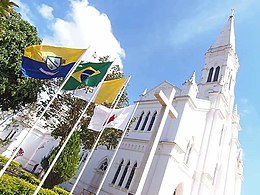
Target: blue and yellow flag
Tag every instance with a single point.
(46, 62)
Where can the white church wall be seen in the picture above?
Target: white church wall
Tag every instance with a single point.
(139, 133)
(165, 182)
(36, 146)
(88, 181)
(135, 151)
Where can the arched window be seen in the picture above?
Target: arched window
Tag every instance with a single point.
(124, 174)
(230, 81)
(11, 134)
(188, 152)
(152, 121)
(130, 178)
(139, 121)
(210, 74)
(117, 172)
(103, 166)
(216, 74)
(221, 135)
(215, 172)
(145, 120)
(98, 175)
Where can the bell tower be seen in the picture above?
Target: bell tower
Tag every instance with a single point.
(221, 66)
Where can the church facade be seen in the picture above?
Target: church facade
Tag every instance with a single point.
(184, 141)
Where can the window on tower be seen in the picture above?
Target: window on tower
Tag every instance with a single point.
(210, 74)
(188, 152)
(214, 175)
(152, 121)
(139, 121)
(117, 172)
(216, 74)
(221, 135)
(124, 174)
(130, 178)
(145, 120)
(230, 80)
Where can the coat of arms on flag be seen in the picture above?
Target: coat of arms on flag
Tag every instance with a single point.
(47, 62)
(53, 62)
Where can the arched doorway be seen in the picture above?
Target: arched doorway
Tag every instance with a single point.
(98, 175)
(178, 190)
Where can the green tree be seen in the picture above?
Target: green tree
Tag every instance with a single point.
(15, 89)
(61, 118)
(67, 164)
(66, 110)
(6, 6)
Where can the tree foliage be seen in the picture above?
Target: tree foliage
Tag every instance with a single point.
(66, 110)
(67, 164)
(15, 89)
(6, 6)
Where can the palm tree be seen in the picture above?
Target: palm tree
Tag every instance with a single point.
(6, 7)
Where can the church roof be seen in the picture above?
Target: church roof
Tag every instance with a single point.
(165, 86)
(227, 36)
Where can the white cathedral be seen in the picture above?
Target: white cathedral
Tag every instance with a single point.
(184, 141)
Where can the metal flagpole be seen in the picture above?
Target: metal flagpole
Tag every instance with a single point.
(99, 136)
(44, 111)
(117, 148)
(70, 134)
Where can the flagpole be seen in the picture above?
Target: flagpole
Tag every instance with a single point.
(117, 148)
(99, 136)
(68, 137)
(42, 114)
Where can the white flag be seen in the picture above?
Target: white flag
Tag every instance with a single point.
(84, 94)
(118, 119)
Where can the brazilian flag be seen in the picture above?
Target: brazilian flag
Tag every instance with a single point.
(47, 62)
(88, 74)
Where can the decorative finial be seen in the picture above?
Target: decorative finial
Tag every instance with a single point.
(193, 77)
(232, 12)
(144, 92)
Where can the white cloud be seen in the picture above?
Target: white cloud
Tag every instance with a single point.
(46, 11)
(86, 27)
(24, 10)
(205, 18)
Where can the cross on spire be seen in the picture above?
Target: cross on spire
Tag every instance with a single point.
(232, 12)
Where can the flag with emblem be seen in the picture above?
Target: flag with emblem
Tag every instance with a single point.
(47, 62)
(88, 74)
(118, 119)
(106, 94)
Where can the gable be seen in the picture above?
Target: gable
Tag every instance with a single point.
(165, 86)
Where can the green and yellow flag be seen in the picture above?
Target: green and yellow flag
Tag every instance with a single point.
(89, 74)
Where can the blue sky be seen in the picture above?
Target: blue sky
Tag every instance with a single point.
(162, 40)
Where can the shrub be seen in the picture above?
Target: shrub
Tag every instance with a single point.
(60, 191)
(14, 186)
(29, 178)
(13, 164)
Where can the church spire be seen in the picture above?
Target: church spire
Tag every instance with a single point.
(221, 66)
(227, 36)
